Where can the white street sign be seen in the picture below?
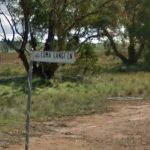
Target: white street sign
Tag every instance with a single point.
(53, 56)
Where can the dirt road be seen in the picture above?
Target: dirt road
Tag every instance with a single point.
(127, 127)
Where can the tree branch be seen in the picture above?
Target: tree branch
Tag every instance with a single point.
(26, 13)
(15, 24)
(114, 47)
(87, 15)
(9, 43)
(8, 23)
(90, 37)
(3, 29)
(2, 36)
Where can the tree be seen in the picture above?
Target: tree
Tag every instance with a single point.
(64, 22)
(126, 26)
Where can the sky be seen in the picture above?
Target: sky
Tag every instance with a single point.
(5, 23)
(8, 28)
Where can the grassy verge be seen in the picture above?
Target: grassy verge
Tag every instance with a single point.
(9, 70)
(61, 97)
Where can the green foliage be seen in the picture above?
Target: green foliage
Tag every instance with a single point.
(70, 23)
(74, 21)
(60, 97)
(107, 46)
(88, 57)
(69, 98)
(11, 123)
(147, 54)
(4, 47)
(126, 23)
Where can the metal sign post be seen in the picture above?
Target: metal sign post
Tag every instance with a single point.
(43, 56)
(29, 105)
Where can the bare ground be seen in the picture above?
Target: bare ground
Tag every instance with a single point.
(127, 127)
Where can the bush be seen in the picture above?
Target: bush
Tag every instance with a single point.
(88, 57)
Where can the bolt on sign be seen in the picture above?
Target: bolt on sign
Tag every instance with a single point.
(49, 57)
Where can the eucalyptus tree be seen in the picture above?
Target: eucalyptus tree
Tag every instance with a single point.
(126, 26)
(64, 23)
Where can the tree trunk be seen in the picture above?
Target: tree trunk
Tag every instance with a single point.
(114, 47)
(48, 70)
(141, 48)
(132, 60)
(24, 60)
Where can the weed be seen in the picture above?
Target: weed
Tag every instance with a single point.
(60, 97)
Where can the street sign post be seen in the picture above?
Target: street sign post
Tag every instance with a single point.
(28, 105)
(49, 57)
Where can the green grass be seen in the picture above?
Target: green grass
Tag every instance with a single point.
(9, 70)
(11, 124)
(69, 95)
(71, 98)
